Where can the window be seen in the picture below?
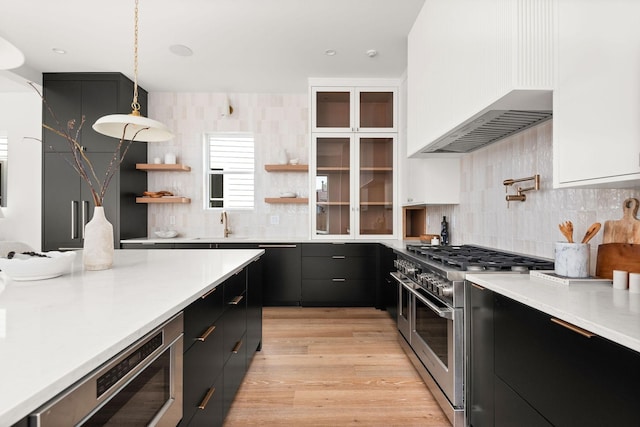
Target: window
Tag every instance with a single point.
(230, 167)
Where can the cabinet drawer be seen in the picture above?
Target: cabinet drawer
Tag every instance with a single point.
(234, 371)
(512, 410)
(203, 363)
(338, 267)
(201, 314)
(234, 287)
(212, 412)
(360, 293)
(330, 249)
(235, 322)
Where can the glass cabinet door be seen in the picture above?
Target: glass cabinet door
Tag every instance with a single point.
(376, 157)
(333, 110)
(333, 185)
(376, 110)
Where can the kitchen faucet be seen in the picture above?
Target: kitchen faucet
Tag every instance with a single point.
(225, 221)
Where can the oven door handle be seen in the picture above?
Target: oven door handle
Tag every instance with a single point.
(445, 313)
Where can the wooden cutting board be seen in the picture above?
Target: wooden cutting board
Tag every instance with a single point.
(617, 256)
(625, 230)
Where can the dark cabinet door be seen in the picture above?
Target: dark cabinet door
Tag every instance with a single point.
(234, 371)
(99, 98)
(64, 99)
(254, 307)
(62, 205)
(387, 288)
(203, 364)
(210, 410)
(479, 335)
(569, 378)
(282, 274)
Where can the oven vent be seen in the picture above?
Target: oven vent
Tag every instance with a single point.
(488, 128)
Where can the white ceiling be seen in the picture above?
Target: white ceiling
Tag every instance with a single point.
(238, 45)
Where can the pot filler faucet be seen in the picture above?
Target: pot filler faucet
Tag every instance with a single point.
(224, 220)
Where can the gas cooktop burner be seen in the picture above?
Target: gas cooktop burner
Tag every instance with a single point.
(475, 258)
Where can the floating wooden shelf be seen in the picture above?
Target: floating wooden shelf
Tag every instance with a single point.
(297, 200)
(163, 200)
(162, 167)
(286, 168)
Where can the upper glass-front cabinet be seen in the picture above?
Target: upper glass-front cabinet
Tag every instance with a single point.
(354, 185)
(341, 109)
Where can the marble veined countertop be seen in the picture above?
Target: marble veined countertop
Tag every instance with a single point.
(54, 332)
(613, 314)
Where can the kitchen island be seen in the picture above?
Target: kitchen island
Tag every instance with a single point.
(54, 332)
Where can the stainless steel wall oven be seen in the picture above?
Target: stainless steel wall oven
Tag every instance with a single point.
(139, 387)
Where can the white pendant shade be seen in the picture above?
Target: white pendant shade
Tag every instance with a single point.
(113, 126)
(10, 56)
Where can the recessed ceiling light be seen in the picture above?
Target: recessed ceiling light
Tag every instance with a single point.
(330, 52)
(59, 51)
(180, 50)
(371, 53)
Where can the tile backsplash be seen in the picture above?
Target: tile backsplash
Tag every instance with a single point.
(530, 227)
(277, 121)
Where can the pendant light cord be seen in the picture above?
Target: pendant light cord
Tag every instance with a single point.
(135, 105)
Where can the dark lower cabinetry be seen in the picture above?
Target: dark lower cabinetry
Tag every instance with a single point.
(223, 330)
(527, 370)
(342, 274)
(387, 288)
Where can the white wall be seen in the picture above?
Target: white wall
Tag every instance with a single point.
(278, 121)
(20, 117)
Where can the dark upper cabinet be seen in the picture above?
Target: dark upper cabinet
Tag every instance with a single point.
(67, 202)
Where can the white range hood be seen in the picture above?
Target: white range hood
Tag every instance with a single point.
(514, 112)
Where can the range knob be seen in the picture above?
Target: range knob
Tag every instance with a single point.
(446, 291)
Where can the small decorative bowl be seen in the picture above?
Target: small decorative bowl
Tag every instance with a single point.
(25, 267)
(288, 194)
(166, 234)
(293, 161)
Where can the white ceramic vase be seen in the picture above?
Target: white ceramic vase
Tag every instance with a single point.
(97, 252)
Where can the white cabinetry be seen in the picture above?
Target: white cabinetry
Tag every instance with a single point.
(465, 55)
(431, 181)
(596, 129)
(353, 167)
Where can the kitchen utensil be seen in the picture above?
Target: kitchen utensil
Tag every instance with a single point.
(566, 228)
(591, 231)
(617, 256)
(625, 230)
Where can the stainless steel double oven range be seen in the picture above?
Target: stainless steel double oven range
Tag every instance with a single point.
(431, 311)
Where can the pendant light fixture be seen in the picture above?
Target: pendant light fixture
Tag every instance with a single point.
(114, 125)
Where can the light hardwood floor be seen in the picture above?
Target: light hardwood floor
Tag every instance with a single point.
(332, 367)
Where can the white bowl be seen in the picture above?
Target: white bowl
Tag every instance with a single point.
(24, 267)
(288, 194)
(293, 161)
(166, 234)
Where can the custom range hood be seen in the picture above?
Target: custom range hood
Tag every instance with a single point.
(514, 112)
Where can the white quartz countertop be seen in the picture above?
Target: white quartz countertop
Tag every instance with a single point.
(184, 239)
(611, 313)
(54, 332)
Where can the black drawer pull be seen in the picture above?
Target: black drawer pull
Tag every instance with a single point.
(236, 348)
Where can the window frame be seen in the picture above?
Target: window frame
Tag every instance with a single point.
(207, 136)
